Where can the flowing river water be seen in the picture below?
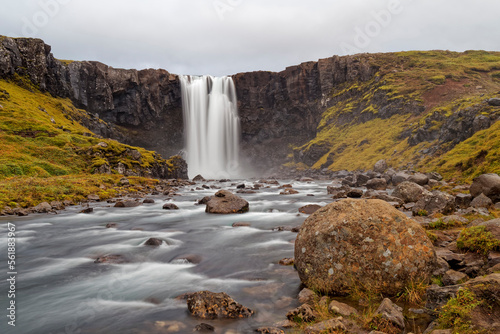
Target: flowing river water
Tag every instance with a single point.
(61, 290)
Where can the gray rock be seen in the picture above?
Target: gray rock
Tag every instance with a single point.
(391, 313)
(495, 101)
(463, 201)
(93, 197)
(437, 296)
(441, 267)
(377, 184)
(43, 207)
(355, 193)
(487, 184)
(481, 201)
(399, 177)
(452, 258)
(380, 166)
(452, 277)
(434, 176)
(435, 202)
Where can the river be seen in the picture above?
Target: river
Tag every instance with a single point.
(61, 290)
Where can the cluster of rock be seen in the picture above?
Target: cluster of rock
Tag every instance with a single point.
(413, 192)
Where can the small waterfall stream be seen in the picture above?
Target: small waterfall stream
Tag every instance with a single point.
(211, 126)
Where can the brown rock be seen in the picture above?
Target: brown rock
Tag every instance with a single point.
(289, 191)
(241, 224)
(148, 201)
(126, 204)
(286, 262)
(87, 210)
(328, 244)
(309, 209)
(210, 305)
(170, 206)
(153, 242)
(225, 202)
(111, 225)
(355, 193)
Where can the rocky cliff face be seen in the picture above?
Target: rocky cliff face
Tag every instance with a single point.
(142, 108)
(282, 109)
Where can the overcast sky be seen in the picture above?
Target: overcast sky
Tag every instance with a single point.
(222, 37)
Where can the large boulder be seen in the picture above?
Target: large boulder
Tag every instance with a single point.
(225, 202)
(409, 191)
(397, 178)
(488, 184)
(366, 244)
(210, 305)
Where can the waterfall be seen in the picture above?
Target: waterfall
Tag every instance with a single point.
(211, 126)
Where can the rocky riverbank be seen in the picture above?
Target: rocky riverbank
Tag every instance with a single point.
(454, 288)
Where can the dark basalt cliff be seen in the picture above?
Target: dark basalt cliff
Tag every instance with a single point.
(144, 108)
(282, 109)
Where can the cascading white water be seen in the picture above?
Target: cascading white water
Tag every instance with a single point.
(211, 126)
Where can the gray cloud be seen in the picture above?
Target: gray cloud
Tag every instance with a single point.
(228, 36)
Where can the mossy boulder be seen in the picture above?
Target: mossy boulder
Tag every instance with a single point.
(362, 245)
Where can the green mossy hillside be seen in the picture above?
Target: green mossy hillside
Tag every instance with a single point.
(42, 138)
(411, 92)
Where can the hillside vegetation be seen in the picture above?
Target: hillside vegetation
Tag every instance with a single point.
(408, 114)
(47, 154)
